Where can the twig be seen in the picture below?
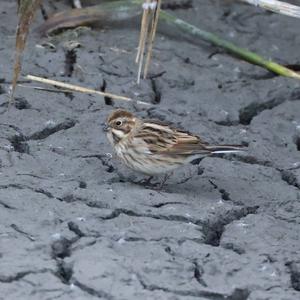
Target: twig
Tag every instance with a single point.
(80, 89)
(150, 16)
(39, 88)
(276, 6)
(143, 40)
(152, 37)
(142, 35)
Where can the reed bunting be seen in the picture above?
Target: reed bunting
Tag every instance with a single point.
(153, 147)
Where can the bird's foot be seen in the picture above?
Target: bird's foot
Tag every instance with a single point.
(146, 182)
(186, 178)
(160, 184)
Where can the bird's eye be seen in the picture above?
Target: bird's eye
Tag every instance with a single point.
(119, 123)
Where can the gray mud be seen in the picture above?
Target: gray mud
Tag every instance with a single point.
(75, 226)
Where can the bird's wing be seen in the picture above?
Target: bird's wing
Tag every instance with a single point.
(160, 138)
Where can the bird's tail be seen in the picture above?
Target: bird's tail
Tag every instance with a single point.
(225, 149)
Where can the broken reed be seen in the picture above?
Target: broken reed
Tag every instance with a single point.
(151, 10)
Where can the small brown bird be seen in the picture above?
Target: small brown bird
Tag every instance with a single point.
(153, 147)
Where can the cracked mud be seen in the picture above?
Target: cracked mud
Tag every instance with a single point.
(74, 225)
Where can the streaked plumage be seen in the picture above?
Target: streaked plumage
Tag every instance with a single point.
(153, 147)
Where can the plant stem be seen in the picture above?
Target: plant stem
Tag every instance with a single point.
(228, 46)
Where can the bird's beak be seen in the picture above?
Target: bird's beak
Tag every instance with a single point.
(106, 127)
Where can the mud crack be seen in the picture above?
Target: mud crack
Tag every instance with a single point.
(237, 294)
(3, 204)
(61, 248)
(93, 292)
(224, 194)
(107, 100)
(70, 61)
(20, 103)
(105, 160)
(22, 187)
(156, 91)
(110, 72)
(213, 230)
(64, 271)
(19, 143)
(20, 275)
(198, 272)
(290, 178)
(178, 218)
(294, 275)
(297, 143)
(16, 277)
(70, 198)
(75, 229)
(19, 230)
(46, 132)
(251, 160)
(247, 113)
(162, 204)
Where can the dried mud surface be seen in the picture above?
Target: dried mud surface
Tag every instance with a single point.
(74, 225)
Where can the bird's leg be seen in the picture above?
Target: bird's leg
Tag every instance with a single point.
(166, 177)
(148, 180)
(156, 185)
(186, 178)
(145, 181)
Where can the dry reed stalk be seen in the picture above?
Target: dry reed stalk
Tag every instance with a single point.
(276, 6)
(142, 33)
(151, 9)
(152, 37)
(77, 4)
(26, 12)
(76, 88)
(143, 41)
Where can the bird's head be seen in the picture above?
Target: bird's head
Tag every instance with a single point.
(119, 124)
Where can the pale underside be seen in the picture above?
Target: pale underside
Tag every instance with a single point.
(151, 164)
